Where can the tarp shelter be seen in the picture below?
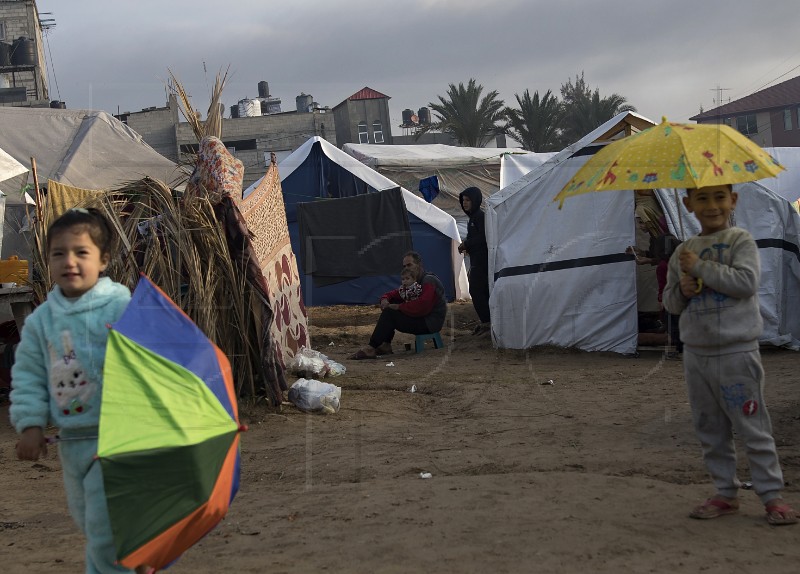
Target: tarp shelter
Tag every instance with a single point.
(456, 169)
(87, 149)
(562, 277)
(514, 165)
(318, 170)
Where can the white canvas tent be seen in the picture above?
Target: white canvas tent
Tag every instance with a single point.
(83, 148)
(514, 166)
(562, 277)
(303, 179)
(456, 168)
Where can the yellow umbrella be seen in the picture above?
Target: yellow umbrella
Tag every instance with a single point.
(673, 155)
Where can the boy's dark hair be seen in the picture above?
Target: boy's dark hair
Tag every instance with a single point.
(95, 223)
(689, 190)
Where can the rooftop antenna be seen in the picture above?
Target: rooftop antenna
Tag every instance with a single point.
(718, 90)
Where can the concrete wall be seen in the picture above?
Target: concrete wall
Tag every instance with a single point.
(280, 133)
(781, 137)
(350, 112)
(22, 19)
(158, 127)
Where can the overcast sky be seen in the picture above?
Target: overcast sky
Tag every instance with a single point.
(666, 57)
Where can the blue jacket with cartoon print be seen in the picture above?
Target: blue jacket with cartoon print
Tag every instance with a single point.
(57, 375)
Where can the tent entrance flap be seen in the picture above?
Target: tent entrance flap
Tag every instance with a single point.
(342, 239)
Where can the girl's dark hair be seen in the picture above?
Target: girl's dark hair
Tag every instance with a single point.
(96, 224)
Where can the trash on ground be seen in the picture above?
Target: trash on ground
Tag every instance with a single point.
(310, 363)
(547, 382)
(313, 396)
(413, 389)
(390, 364)
(425, 475)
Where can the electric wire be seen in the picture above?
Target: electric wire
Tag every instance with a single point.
(52, 65)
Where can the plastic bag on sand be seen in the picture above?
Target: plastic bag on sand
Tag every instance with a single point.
(308, 362)
(313, 396)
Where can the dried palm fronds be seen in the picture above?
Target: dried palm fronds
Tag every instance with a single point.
(213, 124)
(178, 243)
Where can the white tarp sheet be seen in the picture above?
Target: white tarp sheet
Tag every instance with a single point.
(83, 148)
(514, 166)
(456, 169)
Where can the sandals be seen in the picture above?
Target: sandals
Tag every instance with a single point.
(384, 349)
(714, 508)
(779, 513)
(360, 355)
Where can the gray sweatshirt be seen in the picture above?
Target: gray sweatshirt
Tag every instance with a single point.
(724, 317)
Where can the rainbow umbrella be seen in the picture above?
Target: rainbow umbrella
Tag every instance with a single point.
(169, 431)
(673, 155)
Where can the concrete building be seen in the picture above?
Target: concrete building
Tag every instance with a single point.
(23, 72)
(249, 139)
(770, 117)
(363, 118)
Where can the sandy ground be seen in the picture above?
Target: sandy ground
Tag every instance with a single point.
(595, 472)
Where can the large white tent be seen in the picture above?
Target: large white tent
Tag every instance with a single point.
(456, 169)
(562, 277)
(83, 148)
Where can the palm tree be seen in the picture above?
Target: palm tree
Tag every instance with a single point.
(536, 124)
(584, 109)
(471, 120)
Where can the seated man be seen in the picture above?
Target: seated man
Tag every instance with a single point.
(424, 314)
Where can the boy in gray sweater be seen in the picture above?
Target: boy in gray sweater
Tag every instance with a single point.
(712, 283)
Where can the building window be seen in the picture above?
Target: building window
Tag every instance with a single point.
(728, 122)
(787, 120)
(377, 132)
(2, 29)
(747, 124)
(363, 135)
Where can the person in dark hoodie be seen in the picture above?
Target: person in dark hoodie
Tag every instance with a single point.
(475, 246)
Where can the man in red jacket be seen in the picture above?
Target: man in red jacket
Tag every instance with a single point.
(423, 315)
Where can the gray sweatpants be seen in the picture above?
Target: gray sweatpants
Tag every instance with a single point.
(726, 394)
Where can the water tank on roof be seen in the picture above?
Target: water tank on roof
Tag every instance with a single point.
(304, 102)
(249, 108)
(58, 105)
(235, 111)
(263, 89)
(424, 116)
(407, 117)
(23, 52)
(264, 107)
(5, 54)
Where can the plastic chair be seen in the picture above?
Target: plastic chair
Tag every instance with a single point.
(419, 344)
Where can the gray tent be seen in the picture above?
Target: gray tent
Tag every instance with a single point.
(82, 148)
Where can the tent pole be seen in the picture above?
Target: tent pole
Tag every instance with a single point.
(36, 187)
(678, 209)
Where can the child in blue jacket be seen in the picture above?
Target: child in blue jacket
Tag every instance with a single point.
(57, 377)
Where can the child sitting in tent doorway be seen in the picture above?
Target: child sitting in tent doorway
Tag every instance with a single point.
(57, 375)
(661, 247)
